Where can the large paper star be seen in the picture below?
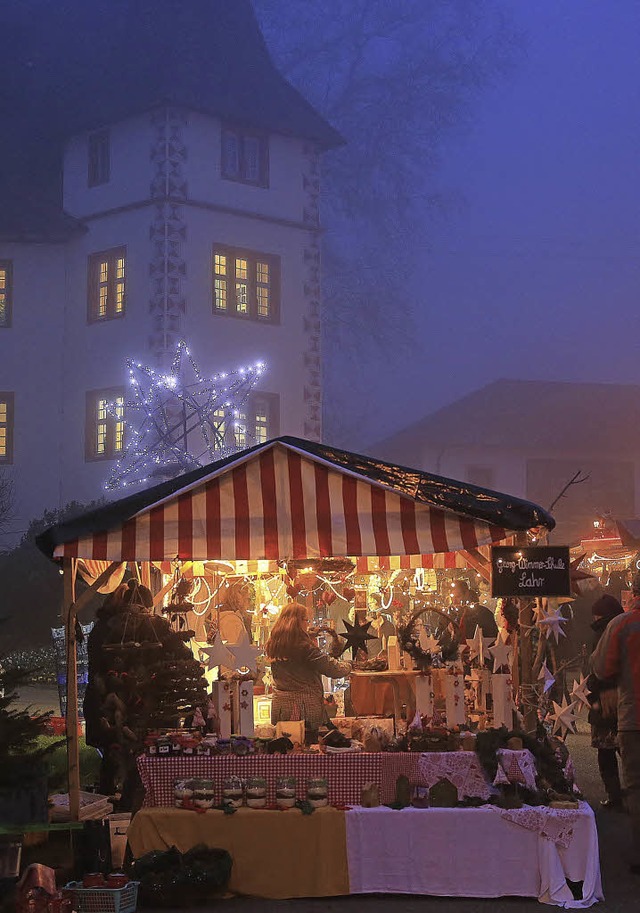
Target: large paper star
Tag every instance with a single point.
(175, 420)
(501, 654)
(478, 645)
(547, 678)
(551, 623)
(564, 717)
(216, 654)
(580, 693)
(245, 655)
(355, 636)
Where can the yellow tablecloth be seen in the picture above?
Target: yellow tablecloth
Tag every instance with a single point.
(260, 843)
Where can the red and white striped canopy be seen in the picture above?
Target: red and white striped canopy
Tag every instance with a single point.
(280, 502)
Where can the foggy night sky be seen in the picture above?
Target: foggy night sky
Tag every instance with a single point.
(534, 272)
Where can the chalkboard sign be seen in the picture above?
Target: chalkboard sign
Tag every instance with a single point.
(530, 571)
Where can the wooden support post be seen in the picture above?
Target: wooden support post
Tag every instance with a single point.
(70, 616)
(526, 663)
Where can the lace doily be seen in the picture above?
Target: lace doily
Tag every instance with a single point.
(518, 767)
(555, 824)
(462, 768)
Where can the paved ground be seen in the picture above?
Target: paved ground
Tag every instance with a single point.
(621, 889)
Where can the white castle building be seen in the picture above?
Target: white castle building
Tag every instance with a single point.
(162, 184)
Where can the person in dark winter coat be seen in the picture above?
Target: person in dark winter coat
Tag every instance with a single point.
(604, 727)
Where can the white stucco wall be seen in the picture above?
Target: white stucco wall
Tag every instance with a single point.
(70, 356)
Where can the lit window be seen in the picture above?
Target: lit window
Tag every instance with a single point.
(6, 282)
(245, 284)
(105, 424)
(245, 157)
(6, 428)
(255, 422)
(99, 158)
(107, 285)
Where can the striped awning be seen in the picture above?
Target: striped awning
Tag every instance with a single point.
(280, 502)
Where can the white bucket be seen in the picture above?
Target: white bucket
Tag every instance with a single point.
(118, 827)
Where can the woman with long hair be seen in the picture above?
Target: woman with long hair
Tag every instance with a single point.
(297, 666)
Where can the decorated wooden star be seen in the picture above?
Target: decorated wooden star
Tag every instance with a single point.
(501, 654)
(356, 636)
(429, 643)
(580, 693)
(478, 645)
(547, 678)
(245, 655)
(564, 718)
(552, 624)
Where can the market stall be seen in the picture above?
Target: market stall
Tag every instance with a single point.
(373, 552)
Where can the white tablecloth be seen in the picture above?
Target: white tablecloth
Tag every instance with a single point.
(472, 852)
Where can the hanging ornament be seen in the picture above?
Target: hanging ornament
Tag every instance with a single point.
(328, 597)
(245, 655)
(564, 718)
(479, 645)
(552, 624)
(348, 593)
(580, 693)
(356, 636)
(547, 678)
(294, 590)
(501, 655)
(216, 655)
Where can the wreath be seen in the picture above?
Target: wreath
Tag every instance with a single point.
(410, 642)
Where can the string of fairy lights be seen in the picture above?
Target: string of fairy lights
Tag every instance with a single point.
(180, 420)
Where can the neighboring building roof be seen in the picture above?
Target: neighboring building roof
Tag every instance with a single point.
(446, 495)
(78, 65)
(514, 414)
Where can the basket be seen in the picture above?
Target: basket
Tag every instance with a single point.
(103, 900)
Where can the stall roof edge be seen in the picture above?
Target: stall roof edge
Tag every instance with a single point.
(503, 510)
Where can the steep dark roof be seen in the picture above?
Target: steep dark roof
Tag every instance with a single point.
(550, 415)
(69, 66)
(469, 500)
(73, 65)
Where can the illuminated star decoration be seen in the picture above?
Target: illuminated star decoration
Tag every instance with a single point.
(564, 717)
(180, 420)
(245, 655)
(501, 654)
(580, 693)
(547, 678)
(478, 645)
(356, 637)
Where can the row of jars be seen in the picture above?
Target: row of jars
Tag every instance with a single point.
(236, 792)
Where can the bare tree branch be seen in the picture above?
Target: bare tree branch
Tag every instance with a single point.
(574, 480)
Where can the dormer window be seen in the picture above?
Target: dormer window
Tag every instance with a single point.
(245, 157)
(99, 158)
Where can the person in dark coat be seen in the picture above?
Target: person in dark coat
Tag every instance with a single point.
(470, 613)
(95, 733)
(604, 727)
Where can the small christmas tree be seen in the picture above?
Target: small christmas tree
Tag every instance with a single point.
(22, 771)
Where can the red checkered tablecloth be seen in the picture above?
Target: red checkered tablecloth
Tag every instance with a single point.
(346, 774)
